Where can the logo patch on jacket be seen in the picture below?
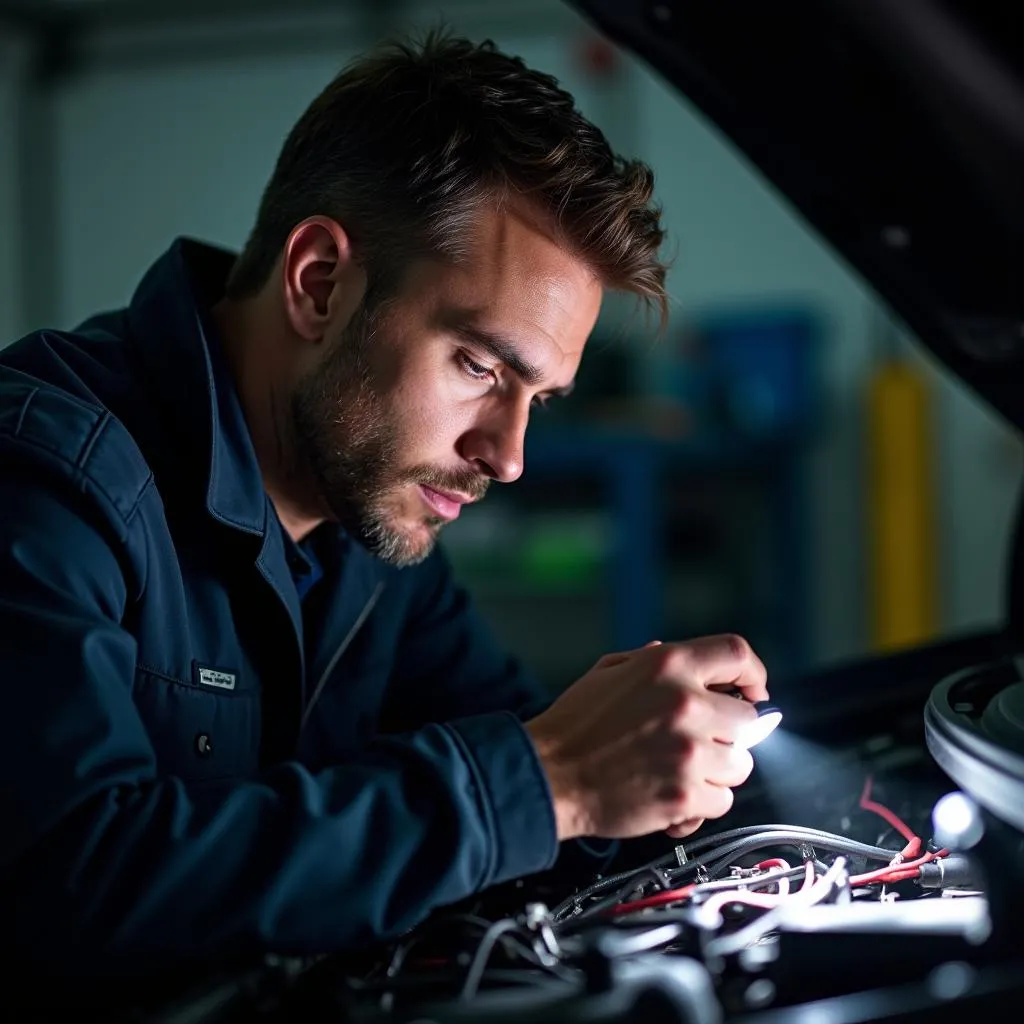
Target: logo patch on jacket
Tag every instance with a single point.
(215, 677)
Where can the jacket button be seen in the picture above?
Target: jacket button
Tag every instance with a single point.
(204, 745)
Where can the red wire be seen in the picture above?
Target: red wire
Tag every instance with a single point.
(907, 867)
(777, 862)
(883, 812)
(912, 849)
(896, 872)
(773, 862)
(657, 900)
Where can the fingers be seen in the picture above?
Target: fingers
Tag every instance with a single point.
(702, 800)
(724, 660)
(702, 783)
(727, 717)
(726, 766)
(665, 748)
(706, 715)
(682, 829)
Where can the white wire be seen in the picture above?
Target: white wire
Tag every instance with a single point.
(737, 940)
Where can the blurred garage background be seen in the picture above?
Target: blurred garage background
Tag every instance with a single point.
(781, 462)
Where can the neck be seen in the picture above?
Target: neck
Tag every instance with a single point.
(262, 379)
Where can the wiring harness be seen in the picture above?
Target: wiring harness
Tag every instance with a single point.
(706, 888)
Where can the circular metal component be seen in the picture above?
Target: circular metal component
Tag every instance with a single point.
(204, 745)
(974, 728)
(1003, 719)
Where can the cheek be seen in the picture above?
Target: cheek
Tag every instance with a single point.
(430, 417)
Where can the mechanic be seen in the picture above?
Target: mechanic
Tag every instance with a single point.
(246, 707)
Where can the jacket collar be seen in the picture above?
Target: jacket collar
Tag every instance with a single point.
(177, 339)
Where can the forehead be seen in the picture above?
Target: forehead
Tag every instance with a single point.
(515, 279)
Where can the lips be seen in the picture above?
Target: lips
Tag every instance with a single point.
(444, 505)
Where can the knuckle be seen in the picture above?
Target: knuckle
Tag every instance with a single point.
(737, 646)
(686, 751)
(680, 808)
(671, 660)
(673, 792)
(684, 705)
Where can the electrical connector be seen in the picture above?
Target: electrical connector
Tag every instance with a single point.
(957, 871)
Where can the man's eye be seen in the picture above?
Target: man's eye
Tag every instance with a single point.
(474, 369)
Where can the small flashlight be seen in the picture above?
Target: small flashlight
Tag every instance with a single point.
(768, 718)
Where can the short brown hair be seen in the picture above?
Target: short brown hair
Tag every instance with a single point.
(404, 144)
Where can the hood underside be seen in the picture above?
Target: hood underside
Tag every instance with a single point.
(895, 128)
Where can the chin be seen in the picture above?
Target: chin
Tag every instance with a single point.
(400, 546)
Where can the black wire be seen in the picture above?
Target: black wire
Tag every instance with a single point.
(405, 947)
(715, 859)
(749, 830)
(661, 881)
(813, 836)
(483, 953)
(514, 942)
(398, 958)
(756, 882)
(666, 915)
(511, 943)
(836, 845)
(418, 981)
(631, 876)
(596, 888)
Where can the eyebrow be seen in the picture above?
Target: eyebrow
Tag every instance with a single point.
(506, 352)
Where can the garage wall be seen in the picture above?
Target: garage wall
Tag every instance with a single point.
(738, 239)
(14, 51)
(175, 132)
(177, 135)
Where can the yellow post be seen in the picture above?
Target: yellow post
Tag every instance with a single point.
(902, 507)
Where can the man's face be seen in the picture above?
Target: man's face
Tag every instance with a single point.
(414, 410)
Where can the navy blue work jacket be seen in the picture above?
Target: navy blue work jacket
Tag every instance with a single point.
(194, 760)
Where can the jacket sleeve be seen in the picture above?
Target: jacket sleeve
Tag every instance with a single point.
(108, 865)
(449, 662)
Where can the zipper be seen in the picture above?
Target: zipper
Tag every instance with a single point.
(349, 637)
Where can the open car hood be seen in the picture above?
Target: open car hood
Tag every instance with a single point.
(895, 128)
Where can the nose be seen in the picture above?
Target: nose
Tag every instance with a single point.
(495, 443)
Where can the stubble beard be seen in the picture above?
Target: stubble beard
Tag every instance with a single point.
(344, 433)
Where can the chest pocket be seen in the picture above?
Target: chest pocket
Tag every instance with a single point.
(200, 732)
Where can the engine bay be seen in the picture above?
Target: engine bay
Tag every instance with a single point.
(875, 879)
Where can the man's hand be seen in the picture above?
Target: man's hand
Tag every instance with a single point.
(645, 742)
